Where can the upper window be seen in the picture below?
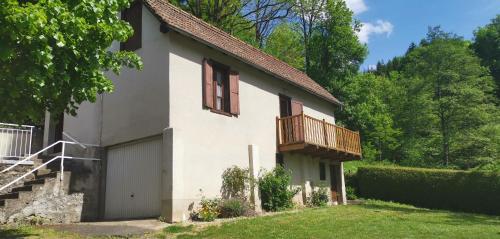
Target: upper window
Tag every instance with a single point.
(220, 88)
(133, 15)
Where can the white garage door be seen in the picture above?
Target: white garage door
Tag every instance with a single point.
(133, 180)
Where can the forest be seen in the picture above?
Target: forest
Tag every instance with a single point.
(435, 106)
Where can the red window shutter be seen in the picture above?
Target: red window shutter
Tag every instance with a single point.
(297, 107)
(234, 78)
(208, 97)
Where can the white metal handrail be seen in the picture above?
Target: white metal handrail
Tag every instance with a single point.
(61, 169)
(15, 140)
(35, 154)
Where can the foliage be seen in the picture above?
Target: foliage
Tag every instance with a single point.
(319, 197)
(53, 54)
(351, 193)
(209, 210)
(223, 14)
(235, 182)
(335, 52)
(285, 43)
(368, 108)
(448, 104)
(432, 107)
(487, 47)
(372, 219)
(275, 192)
(235, 207)
(470, 191)
(351, 185)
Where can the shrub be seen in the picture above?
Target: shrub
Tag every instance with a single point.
(233, 208)
(275, 192)
(318, 198)
(208, 211)
(351, 185)
(351, 193)
(469, 191)
(234, 182)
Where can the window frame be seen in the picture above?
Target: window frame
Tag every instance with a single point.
(225, 103)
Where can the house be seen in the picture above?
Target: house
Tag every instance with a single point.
(205, 101)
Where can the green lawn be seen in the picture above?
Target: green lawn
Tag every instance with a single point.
(374, 219)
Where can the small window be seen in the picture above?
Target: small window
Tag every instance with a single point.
(322, 172)
(133, 15)
(221, 88)
(279, 160)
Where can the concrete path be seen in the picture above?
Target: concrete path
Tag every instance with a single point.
(112, 228)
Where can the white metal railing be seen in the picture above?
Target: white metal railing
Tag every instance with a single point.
(63, 156)
(15, 140)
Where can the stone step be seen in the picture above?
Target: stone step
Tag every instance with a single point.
(36, 181)
(51, 174)
(43, 171)
(12, 195)
(26, 188)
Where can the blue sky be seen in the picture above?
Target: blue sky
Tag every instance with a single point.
(391, 25)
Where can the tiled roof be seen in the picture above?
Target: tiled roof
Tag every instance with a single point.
(187, 24)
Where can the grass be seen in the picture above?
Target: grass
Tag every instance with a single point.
(373, 219)
(25, 231)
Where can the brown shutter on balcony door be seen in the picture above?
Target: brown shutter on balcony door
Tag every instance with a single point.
(208, 98)
(297, 107)
(234, 94)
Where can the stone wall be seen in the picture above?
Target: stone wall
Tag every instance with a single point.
(49, 201)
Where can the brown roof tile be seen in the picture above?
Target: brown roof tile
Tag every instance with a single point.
(187, 24)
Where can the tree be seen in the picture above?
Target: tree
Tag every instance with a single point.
(263, 13)
(285, 43)
(309, 13)
(224, 14)
(53, 54)
(449, 102)
(335, 52)
(487, 47)
(369, 101)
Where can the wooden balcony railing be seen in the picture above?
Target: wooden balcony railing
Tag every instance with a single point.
(299, 131)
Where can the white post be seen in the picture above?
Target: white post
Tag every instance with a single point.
(254, 164)
(62, 160)
(31, 137)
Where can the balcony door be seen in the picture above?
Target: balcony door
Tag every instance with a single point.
(334, 182)
(291, 127)
(285, 106)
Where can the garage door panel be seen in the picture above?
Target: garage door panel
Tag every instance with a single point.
(133, 180)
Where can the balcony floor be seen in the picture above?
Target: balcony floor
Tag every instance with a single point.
(319, 152)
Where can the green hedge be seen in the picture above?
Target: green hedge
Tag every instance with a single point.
(468, 191)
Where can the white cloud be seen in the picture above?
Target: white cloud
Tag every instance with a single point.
(357, 6)
(372, 67)
(379, 27)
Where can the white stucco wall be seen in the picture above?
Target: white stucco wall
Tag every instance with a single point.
(166, 98)
(213, 142)
(138, 106)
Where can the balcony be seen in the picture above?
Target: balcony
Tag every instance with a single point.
(318, 138)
